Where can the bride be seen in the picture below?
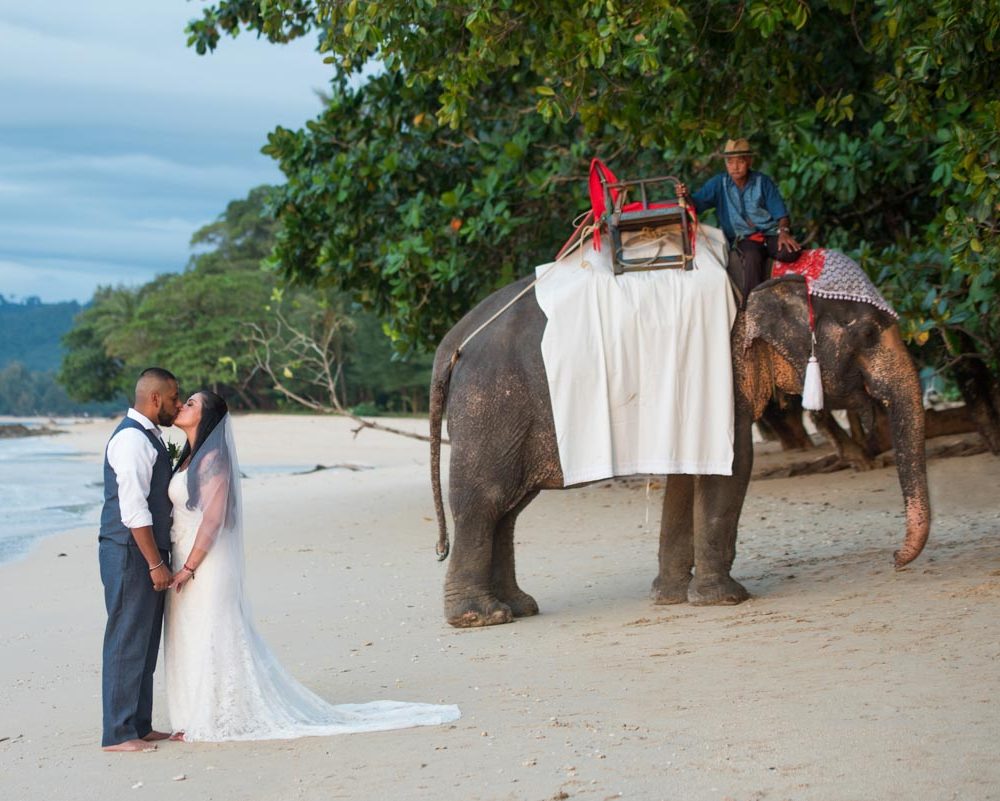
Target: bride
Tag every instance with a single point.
(223, 682)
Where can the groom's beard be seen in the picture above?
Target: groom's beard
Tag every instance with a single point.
(165, 419)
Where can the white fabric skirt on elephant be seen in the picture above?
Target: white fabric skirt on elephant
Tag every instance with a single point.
(638, 365)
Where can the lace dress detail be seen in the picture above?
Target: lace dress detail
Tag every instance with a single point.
(223, 682)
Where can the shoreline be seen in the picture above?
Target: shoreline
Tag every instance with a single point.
(48, 484)
(841, 678)
(87, 437)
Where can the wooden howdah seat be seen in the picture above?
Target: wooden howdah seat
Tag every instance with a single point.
(660, 221)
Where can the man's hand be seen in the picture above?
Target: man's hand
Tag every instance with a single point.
(159, 575)
(681, 190)
(787, 242)
(160, 578)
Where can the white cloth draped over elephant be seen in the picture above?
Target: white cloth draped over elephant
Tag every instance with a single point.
(638, 365)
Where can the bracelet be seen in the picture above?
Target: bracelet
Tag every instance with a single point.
(154, 567)
(784, 230)
(188, 569)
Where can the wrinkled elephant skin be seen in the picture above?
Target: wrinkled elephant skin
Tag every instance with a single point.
(503, 444)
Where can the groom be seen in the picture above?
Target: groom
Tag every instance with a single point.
(134, 548)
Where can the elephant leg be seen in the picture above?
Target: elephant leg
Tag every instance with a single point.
(848, 449)
(676, 542)
(504, 581)
(718, 501)
(469, 597)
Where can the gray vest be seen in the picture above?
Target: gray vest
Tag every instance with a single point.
(159, 503)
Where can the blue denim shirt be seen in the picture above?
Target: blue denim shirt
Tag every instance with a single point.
(756, 207)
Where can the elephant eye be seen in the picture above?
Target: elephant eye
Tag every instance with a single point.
(866, 333)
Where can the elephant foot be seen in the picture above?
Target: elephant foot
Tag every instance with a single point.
(477, 611)
(521, 604)
(666, 591)
(716, 591)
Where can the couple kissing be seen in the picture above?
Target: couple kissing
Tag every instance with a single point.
(171, 554)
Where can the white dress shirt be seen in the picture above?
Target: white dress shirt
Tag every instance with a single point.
(132, 456)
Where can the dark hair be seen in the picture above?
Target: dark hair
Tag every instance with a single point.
(158, 372)
(213, 409)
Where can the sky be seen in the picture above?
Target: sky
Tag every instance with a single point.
(117, 141)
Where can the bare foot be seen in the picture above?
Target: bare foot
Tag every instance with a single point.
(153, 736)
(177, 737)
(131, 745)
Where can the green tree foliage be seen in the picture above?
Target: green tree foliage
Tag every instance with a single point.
(433, 182)
(184, 321)
(189, 320)
(939, 61)
(378, 379)
(198, 325)
(92, 368)
(413, 218)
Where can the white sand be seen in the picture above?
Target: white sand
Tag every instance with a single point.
(841, 679)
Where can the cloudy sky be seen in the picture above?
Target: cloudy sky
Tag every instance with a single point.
(117, 142)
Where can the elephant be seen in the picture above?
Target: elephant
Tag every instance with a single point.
(504, 450)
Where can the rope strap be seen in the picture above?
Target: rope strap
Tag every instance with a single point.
(515, 299)
(575, 240)
(647, 237)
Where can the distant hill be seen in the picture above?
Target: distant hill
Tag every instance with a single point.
(30, 355)
(30, 332)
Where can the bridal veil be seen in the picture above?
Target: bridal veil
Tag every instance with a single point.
(223, 682)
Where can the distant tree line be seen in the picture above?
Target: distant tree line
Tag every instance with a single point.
(30, 393)
(30, 353)
(227, 323)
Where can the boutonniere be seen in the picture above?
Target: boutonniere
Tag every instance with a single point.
(173, 451)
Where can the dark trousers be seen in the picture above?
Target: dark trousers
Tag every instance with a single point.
(754, 256)
(131, 642)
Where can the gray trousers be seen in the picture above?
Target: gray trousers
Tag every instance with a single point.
(131, 642)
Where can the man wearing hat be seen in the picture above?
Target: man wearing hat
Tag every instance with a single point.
(751, 213)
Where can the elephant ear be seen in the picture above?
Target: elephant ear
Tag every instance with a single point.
(775, 341)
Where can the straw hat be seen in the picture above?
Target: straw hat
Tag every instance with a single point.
(737, 147)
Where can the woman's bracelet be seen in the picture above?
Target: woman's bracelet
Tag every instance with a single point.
(188, 569)
(154, 567)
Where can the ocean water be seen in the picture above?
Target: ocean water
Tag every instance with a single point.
(46, 487)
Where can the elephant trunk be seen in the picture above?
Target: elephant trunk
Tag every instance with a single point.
(892, 379)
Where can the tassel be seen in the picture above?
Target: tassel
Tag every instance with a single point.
(812, 391)
(812, 388)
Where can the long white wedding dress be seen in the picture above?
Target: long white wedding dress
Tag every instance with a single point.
(223, 682)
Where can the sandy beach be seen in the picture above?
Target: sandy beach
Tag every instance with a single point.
(841, 678)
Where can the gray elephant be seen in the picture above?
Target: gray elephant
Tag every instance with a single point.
(504, 451)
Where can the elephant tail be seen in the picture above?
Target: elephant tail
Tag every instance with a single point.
(439, 402)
